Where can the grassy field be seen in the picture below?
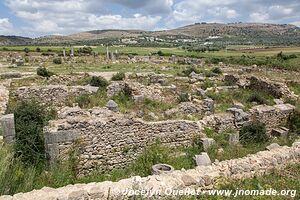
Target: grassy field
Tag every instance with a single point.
(271, 51)
(236, 55)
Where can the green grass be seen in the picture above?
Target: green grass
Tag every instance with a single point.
(295, 87)
(16, 177)
(225, 99)
(265, 57)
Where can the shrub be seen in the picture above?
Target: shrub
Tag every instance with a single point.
(254, 132)
(209, 74)
(160, 53)
(85, 50)
(255, 97)
(127, 91)
(207, 84)
(98, 82)
(38, 49)
(30, 118)
(83, 101)
(42, 71)
(189, 70)
(57, 61)
(118, 76)
(26, 50)
(183, 97)
(217, 70)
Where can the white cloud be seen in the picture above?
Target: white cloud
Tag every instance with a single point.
(69, 16)
(117, 21)
(42, 17)
(259, 17)
(5, 26)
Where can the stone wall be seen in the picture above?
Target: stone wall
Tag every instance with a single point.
(110, 140)
(201, 177)
(113, 140)
(272, 116)
(52, 94)
(140, 91)
(276, 89)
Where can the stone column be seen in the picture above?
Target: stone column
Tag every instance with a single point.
(8, 128)
(72, 52)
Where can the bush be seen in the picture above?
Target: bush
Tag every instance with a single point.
(183, 97)
(42, 71)
(118, 76)
(255, 132)
(255, 97)
(85, 50)
(38, 49)
(57, 61)
(99, 82)
(160, 53)
(217, 70)
(30, 118)
(26, 50)
(189, 70)
(83, 101)
(127, 91)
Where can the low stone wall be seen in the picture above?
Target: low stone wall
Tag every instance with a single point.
(276, 89)
(110, 140)
(202, 177)
(140, 91)
(52, 94)
(272, 116)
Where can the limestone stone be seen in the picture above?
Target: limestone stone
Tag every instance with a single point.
(273, 146)
(240, 116)
(201, 92)
(203, 159)
(112, 105)
(188, 180)
(8, 127)
(280, 132)
(207, 143)
(209, 104)
(278, 101)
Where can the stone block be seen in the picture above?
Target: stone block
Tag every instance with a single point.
(278, 101)
(280, 132)
(203, 159)
(285, 108)
(112, 105)
(273, 146)
(8, 127)
(209, 104)
(207, 143)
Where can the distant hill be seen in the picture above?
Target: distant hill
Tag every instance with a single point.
(110, 33)
(234, 33)
(14, 40)
(236, 29)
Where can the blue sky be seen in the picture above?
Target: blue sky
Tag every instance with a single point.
(36, 18)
